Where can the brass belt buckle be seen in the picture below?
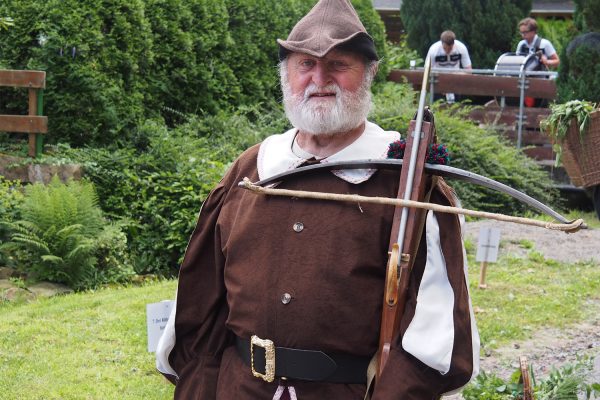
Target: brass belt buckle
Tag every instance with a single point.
(269, 347)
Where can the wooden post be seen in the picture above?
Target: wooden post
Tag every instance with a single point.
(482, 284)
(39, 138)
(34, 124)
(33, 109)
(525, 379)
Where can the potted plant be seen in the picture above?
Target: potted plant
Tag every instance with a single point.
(574, 130)
(562, 116)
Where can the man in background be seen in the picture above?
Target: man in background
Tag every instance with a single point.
(449, 53)
(533, 44)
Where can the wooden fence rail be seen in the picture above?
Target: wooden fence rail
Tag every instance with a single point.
(34, 124)
(478, 85)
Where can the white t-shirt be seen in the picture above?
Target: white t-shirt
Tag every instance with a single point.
(458, 57)
(529, 48)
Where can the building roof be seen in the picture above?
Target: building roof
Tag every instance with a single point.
(387, 5)
(552, 7)
(538, 7)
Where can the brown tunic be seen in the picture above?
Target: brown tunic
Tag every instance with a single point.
(245, 254)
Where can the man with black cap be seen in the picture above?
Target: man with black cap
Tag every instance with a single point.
(280, 298)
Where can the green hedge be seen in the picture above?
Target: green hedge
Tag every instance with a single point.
(114, 63)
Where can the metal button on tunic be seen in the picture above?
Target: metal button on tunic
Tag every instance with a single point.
(298, 227)
(286, 298)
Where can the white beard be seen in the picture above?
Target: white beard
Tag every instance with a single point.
(317, 117)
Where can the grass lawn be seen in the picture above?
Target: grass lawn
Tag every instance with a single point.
(93, 345)
(83, 346)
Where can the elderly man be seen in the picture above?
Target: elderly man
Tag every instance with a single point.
(308, 275)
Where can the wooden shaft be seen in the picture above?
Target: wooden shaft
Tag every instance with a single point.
(33, 106)
(482, 284)
(392, 314)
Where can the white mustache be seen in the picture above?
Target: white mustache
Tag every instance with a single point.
(312, 89)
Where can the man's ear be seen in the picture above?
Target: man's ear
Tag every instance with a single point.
(374, 70)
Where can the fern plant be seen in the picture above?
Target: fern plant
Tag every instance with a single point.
(56, 236)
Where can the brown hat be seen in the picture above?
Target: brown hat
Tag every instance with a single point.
(330, 23)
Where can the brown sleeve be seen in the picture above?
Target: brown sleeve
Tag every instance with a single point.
(200, 332)
(404, 376)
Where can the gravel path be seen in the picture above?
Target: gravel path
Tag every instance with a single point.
(548, 347)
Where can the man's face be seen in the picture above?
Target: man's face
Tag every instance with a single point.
(447, 47)
(326, 95)
(526, 33)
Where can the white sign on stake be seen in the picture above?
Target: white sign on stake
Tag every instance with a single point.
(157, 315)
(487, 247)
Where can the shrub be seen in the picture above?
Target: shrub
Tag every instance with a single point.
(579, 71)
(558, 31)
(487, 27)
(112, 64)
(11, 197)
(162, 183)
(400, 56)
(58, 234)
(587, 15)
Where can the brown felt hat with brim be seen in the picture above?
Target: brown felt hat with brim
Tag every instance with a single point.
(330, 24)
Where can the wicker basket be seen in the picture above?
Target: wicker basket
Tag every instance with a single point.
(581, 157)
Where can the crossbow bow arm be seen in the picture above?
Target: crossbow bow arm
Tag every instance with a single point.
(433, 169)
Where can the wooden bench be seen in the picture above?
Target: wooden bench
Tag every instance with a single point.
(34, 124)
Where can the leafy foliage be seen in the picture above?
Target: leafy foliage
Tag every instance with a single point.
(487, 27)
(59, 234)
(579, 73)
(587, 15)
(400, 56)
(6, 22)
(162, 184)
(112, 64)
(11, 197)
(558, 31)
(564, 383)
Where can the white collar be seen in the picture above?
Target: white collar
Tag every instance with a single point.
(532, 41)
(276, 156)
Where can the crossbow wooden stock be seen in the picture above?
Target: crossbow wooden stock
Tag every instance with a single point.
(408, 224)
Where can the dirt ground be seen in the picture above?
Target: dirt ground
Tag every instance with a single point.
(548, 347)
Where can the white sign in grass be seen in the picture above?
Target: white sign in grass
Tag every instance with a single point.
(157, 315)
(487, 251)
(487, 247)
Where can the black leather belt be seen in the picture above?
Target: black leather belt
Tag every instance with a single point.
(308, 365)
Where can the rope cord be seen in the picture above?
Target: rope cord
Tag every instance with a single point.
(571, 227)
